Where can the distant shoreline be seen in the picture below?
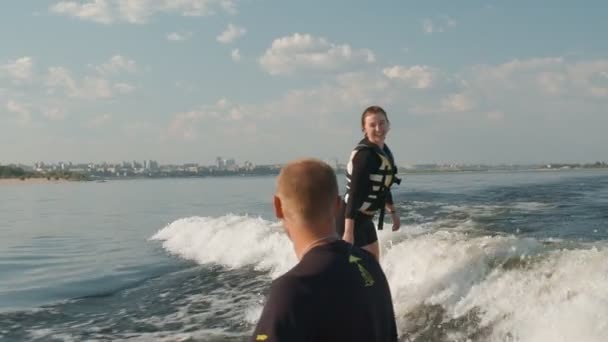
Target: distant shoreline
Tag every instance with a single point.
(52, 180)
(15, 181)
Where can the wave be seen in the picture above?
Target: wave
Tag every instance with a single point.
(232, 241)
(447, 285)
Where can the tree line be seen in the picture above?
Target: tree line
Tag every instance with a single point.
(10, 171)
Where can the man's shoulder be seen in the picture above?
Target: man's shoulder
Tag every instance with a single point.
(288, 286)
(325, 266)
(287, 280)
(317, 267)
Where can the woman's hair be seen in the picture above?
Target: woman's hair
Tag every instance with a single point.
(370, 111)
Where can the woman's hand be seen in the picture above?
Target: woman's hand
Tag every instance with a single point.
(349, 231)
(396, 220)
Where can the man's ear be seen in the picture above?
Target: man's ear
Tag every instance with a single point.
(278, 207)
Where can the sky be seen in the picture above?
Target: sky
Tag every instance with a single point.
(268, 81)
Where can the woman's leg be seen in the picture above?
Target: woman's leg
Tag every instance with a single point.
(366, 236)
(373, 248)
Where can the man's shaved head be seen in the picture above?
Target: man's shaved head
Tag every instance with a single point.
(308, 190)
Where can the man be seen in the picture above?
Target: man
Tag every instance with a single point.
(337, 292)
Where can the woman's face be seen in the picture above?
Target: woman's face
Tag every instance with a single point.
(375, 127)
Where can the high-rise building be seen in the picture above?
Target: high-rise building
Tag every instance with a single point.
(220, 163)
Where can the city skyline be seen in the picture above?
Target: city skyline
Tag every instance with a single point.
(225, 163)
(481, 82)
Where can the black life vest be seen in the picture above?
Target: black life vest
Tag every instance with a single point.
(380, 179)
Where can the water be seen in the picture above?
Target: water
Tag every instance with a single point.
(481, 257)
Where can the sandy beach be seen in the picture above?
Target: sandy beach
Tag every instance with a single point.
(15, 181)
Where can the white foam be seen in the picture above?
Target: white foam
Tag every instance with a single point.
(232, 241)
(253, 313)
(542, 295)
(562, 298)
(531, 206)
(222, 307)
(480, 210)
(486, 210)
(440, 268)
(50, 334)
(170, 336)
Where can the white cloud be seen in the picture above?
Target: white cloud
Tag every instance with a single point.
(60, 77)
(99, 120)
(591, 77)
(135, 130)
(136, 11)
(466, 106)
(287, 118)
(124, 88)
(19, 69)
(305, 52)
(179, 37)
(184, 126)
(235, 55)
(552, 82)
(139, 11)
(457, 103)
(97, 10)
(547, 76)
(95, 88)
(231, 33)
(418, 76)
(599, 91)
(464, 103)
(91, 87)
(438, 25)
(511, 88)
(427, 26)
(347, 92)
(54, 114)
(507, 70)
(117, 64)
(21, 110)
(352, 91)
(495, 115)
(193, 8)
(186, 87)
(229, 6)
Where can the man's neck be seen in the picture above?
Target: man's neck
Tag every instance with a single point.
(306, 238)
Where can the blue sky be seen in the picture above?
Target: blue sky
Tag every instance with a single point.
(268, 81)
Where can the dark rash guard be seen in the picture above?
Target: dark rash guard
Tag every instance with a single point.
(336, 293)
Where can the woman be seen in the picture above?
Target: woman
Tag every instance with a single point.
(370, 173)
